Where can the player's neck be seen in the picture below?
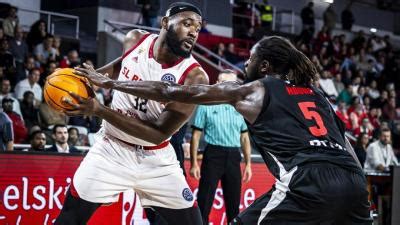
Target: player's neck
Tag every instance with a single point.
(162, 53)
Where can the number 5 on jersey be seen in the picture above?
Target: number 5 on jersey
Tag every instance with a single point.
(308, 110)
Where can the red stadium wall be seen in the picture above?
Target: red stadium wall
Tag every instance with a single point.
(33, 187)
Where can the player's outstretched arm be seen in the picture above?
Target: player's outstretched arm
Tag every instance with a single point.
(197, 93)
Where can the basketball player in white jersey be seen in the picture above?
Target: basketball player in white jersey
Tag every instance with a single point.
(132, 149)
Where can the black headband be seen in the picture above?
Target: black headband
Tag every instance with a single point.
(178, 7)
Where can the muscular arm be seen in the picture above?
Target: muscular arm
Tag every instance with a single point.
(227, 92)
(194, 146)
(170, 120)
(246, 148)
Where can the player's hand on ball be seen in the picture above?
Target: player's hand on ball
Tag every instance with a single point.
(94, 77)
(83, 107)
(195, 172)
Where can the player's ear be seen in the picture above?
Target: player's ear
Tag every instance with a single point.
(264, 67)
(164, 22)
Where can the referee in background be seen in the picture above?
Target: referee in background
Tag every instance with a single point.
(225, 132)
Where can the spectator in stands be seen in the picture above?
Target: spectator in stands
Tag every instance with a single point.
(380, 153)
(377, 43)
(37, 34)
(150, 12)
(330, 18)
(38, 141)
(50, 116)
(29, 65)
(19, 128)
(361, 147)
(5, 92)
(74, 137)
(342, 113)
(389, 110)
(60, 137)
(50, 68)
(373, 92)
(7, 61)
(381, 101)
(359, 41)
(221, 160)
(374, 116)
(327, 85)
(231, 56)
(6, 133)
(346, 94)
(30, 84)
(204, 29)
(56, 46)
(337, 81)
(11, 22)
(44, 51)
(357, 115)
(347, 18)
(220, 51)
(307, 17)
(71, 60)
(365, 127)
(30, 113)
(266, 16)
(19, 49)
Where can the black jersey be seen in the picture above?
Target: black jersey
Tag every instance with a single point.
(297, 125)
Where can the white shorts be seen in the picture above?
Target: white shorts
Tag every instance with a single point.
(112, 167)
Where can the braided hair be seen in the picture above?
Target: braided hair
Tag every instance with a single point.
(286, 61)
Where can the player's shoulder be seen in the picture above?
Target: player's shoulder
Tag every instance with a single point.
(134, 36)
(196, 75)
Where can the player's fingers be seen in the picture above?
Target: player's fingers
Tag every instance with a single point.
(82, 70)
(75, 96)
(69, 102)
(79, 73)
(87, 66)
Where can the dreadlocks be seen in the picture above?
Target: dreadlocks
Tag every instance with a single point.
(286, 60)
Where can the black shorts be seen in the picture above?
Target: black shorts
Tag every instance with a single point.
(312, 194)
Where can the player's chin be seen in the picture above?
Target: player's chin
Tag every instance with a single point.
(185, 52)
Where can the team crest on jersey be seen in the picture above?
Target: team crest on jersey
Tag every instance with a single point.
(168, 77)
(187, 194)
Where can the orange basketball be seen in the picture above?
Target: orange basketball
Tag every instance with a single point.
(59, 84)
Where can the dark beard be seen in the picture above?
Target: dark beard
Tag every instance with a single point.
(175, 45)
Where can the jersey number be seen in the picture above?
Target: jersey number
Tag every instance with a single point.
(308, 110)
(140, 104)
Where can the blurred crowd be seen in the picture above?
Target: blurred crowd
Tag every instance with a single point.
(27, 57)
(361, 77)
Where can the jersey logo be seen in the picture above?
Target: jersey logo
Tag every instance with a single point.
(187, 194)
(135, 59)
(168, 77)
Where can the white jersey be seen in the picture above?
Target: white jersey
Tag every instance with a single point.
(138, 63)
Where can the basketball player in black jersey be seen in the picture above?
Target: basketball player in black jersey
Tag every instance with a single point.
(292, 125)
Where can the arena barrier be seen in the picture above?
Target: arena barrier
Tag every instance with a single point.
(33, 187)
